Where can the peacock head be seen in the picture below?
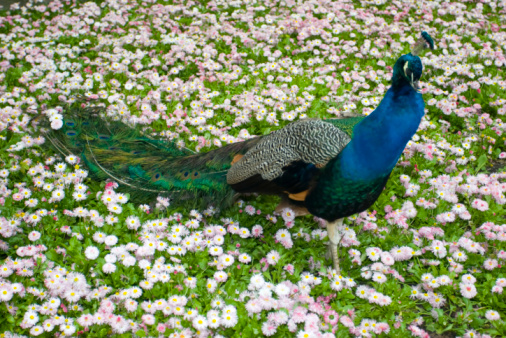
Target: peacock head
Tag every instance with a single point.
(408, 68)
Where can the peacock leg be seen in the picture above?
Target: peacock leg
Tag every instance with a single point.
(334, 239)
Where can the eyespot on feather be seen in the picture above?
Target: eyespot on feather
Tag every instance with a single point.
(186, 176)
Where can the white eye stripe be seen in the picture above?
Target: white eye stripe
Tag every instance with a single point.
(406, 65)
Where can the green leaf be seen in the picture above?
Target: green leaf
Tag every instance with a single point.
(140, 333)
(168, 332)
(75, 244)
(482, 161)
(203, 264)
(52, 255)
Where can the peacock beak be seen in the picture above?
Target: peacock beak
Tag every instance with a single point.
(409, 74)
(415, 85)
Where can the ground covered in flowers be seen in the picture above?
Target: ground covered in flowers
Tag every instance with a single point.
(77, 258)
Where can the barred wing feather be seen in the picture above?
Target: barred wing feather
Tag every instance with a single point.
(304, 142)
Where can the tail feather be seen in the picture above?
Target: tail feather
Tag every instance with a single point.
(146, 167)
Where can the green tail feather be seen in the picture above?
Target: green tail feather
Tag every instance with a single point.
(145, 167)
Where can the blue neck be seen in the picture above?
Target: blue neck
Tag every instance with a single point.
(379, 140)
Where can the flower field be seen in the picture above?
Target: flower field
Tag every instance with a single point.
(77, 258)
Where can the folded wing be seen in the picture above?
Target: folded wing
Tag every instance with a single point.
(289, 160)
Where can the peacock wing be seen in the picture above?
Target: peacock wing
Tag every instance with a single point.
(288, 156)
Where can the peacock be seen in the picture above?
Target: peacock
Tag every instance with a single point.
(332, 168)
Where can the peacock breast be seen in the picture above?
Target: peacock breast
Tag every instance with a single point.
(337, 195)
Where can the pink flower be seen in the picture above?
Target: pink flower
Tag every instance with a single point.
(268, 328)
(200, 322)
(34, 235)
(160, 328)
(85, 320)
(346, 321)
(316, 308)
(337, 284)
(257, 230)
(273, 257)
(108, 268)
(283, 234)
(387, 259)
(385, 300)
(278, 318)
(253, 306)
(289, 268)
(480, 205)
(490, 264)
(497, 289)
(220, 276)
(312, 323)
(468, 290)
(382, 328)
(331, 317)
(287, 243)
(250, 210)
(465, 215)
(492, 315)
(148, 319)
(299, 314)
(287, 214)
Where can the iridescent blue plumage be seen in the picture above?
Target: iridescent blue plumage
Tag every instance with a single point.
(366, 162)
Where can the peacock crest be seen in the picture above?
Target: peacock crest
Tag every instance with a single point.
(424, 42)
